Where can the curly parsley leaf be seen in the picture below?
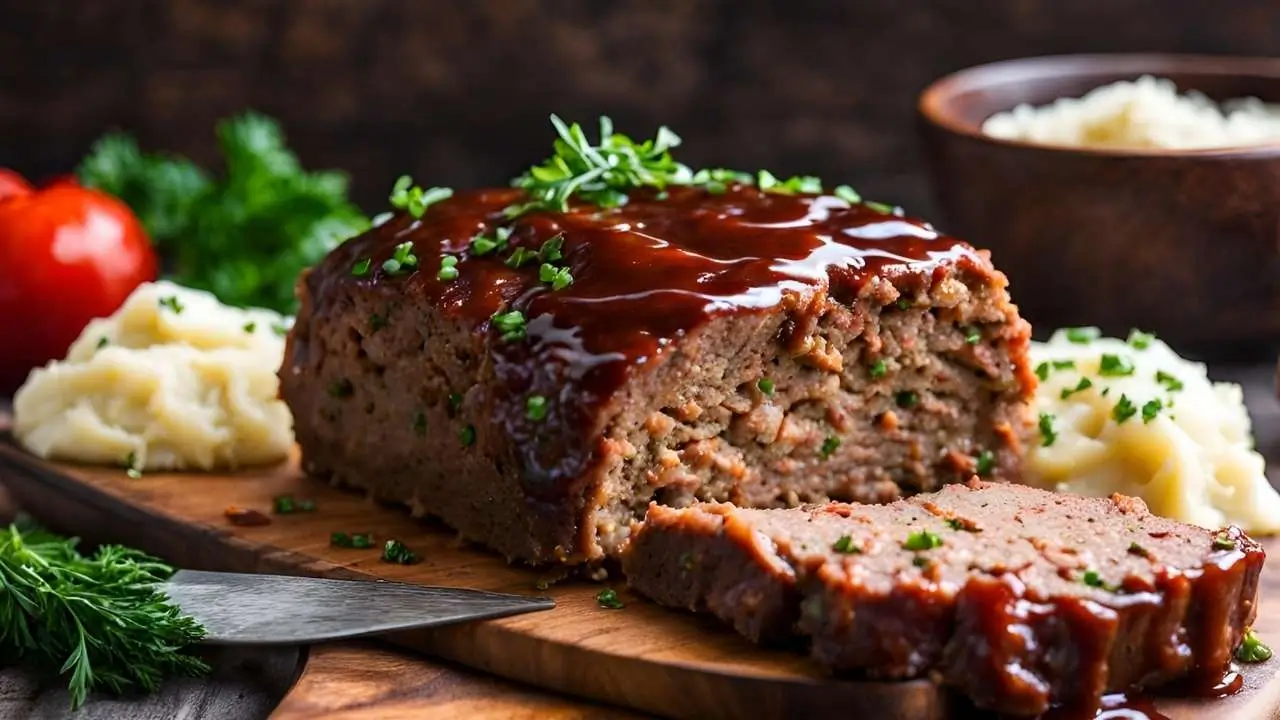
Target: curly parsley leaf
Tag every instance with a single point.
(244, 236)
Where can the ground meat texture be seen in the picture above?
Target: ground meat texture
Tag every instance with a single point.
(1020, 598)
(764, 349)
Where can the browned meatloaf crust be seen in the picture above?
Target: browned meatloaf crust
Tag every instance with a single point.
(1018, 597)
(752, 347)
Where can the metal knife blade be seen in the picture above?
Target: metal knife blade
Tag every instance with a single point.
(251, 609)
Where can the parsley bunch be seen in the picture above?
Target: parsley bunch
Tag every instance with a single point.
(244, 236)
(99, 620)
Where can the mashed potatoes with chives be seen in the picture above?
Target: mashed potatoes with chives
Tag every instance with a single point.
(1135, 418)
(1148, 113)
(174, 380)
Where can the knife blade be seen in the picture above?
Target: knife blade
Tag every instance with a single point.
(252, 609)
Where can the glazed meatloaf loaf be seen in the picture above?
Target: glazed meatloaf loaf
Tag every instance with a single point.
(536, 382)
(1017, 597)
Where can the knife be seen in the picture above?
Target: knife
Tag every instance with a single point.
(251, 609)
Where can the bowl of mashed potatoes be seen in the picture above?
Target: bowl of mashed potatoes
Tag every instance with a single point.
(1121, 190)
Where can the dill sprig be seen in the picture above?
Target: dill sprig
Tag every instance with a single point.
(599, 173)
(99, 620)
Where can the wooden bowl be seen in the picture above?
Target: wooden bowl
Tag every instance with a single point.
(1185, 243)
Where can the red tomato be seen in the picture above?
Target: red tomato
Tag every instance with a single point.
(12, 184)
(67, 255)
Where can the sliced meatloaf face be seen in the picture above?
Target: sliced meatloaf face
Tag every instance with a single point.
(538, 389)
(1020, 598)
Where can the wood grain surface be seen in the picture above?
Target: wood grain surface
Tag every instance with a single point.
(245, 684)
(371, 681)
(642, 656)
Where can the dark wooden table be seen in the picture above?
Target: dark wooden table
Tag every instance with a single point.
(371, 681)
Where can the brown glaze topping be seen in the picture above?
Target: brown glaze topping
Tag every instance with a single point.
(644, 274)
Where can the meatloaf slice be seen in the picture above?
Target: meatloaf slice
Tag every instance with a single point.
(536, 391)
(1017, 597)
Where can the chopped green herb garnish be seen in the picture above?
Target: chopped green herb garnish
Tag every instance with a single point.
(413, 199)
(829, 446)
(972, 335)
(1042, 371)
(878, 369)
(377, 322)
(1047, 433)
(1105, 391)
(484, 244)
(608, 598)
(847, 194)
(1063, 364)
(1223, 541)
(521, 256)
(510, 325)
(535, 408)
(419, 423)
(844, 544)
(249, 327)
(279, 329)
(173, 303)
(1084, 384)
(1093, 579)
(467, 435)
(1082, 335)
(132, 467)
(882, 208)
(922, 540)
(600, 173)
(717, 180)
(1115, 366)
(341, 388)
(1252, 650)
(455, 403)
(903, 304)
(1140, 340)
(99, 621)
(1123, 410)
(394, 551)
(558, 278)
(362, 267)
(448, 268)
(957, 524)
(1170, 382)
(402, 261)
(357, 541)
(906, 398)
(282, 504)
(1150, 409)
(984, 463)
(1136, 549)
(921, 562)
(103, 342)
(768, 182)
(551, 249)
(765, 385)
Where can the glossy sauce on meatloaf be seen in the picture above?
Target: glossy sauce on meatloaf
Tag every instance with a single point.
(644, 275)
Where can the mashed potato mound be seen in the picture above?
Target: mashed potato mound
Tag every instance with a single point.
(1145, 114)
(173, 380)
(1135, 418)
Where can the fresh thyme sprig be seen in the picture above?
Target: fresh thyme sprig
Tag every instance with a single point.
(99, 620)
(599, 173)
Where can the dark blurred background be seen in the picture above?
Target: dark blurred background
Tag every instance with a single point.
(458, 92)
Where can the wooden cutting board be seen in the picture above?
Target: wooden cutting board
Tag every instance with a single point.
(642, 656)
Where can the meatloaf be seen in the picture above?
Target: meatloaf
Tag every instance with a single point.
(1018, 597)
(537, 390)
